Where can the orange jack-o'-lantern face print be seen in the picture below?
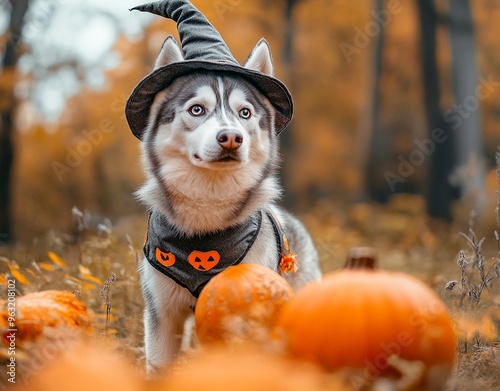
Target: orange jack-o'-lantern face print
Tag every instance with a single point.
(166, 259)
(204, 260)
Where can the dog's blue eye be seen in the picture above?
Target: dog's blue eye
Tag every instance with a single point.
(245, 113)
(196, 110)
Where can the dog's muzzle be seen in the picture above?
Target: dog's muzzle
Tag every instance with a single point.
(230, 140)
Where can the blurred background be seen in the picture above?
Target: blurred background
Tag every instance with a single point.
(395, 99)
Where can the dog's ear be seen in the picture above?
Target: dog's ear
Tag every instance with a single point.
(260, 58)
(169, 53)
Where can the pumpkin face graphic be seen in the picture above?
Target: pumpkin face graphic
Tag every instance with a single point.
(204, 260)
(166, 259)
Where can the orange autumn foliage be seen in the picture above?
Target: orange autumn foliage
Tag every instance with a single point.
(326, 145)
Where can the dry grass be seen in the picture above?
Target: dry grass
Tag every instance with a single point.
(100, 266)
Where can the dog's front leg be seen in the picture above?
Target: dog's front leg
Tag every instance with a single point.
(163, 336)
(168, 305)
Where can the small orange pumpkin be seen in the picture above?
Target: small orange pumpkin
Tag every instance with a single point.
(39, 314)
(359, 317)
(240, 302)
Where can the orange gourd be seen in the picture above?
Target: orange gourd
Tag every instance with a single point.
(359, 317)
(45, 314)
(241, 302)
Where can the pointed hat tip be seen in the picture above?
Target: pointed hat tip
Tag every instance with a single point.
(149, 7)
(137, 8)
(160, 8)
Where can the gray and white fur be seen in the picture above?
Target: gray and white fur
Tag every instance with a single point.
(210, 154)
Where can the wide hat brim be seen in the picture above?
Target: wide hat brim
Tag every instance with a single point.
(139, 104)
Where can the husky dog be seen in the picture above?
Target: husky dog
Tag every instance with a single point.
(209, 129)
(210, 153)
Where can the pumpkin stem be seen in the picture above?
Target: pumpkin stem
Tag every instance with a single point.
(361, 258)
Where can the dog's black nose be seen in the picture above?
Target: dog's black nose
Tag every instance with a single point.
(230, 139)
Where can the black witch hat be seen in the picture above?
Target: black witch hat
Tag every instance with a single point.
(204, 50)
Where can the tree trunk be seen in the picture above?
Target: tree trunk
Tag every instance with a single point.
(290, 198)
(440, 193)
(377, 145)
(469, 172)
(7, 108)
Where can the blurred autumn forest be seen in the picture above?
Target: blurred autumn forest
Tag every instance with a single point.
(390, 96)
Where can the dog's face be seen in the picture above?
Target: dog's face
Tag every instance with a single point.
(211, 125)
(215, 122)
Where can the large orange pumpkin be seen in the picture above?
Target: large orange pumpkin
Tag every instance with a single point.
(246, 368)
(359, 317)
(84, 366)
(241, 302)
